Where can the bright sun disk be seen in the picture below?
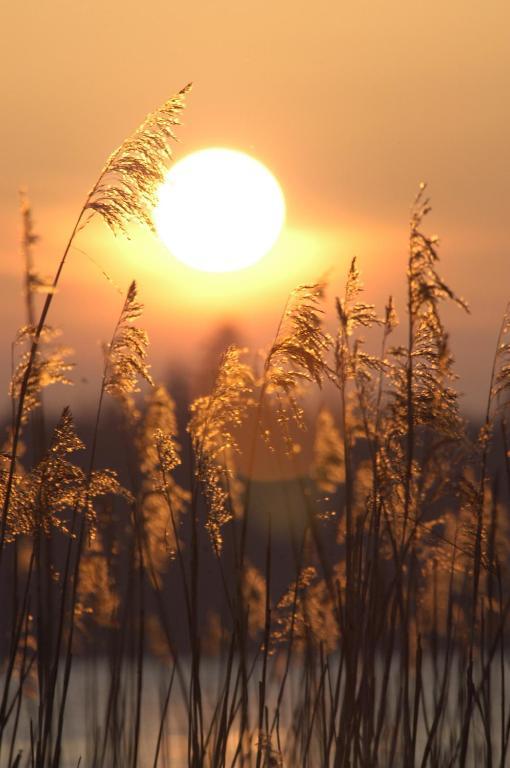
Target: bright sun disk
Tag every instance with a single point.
(219, 210)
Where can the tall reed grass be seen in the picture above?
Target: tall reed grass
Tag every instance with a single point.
(386, 645)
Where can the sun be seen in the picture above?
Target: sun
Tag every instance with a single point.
(219, 210)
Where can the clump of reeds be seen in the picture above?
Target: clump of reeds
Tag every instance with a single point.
(378, 637)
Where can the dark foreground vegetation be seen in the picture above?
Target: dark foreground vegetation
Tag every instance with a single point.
(359, 618)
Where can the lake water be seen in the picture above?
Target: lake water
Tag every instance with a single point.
(86, 716)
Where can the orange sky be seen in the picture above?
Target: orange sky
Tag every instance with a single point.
(349, 104)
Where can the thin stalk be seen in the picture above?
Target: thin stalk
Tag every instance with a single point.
(267, 635)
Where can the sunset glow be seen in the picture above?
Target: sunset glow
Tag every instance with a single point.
(254, 412)
(219, 210)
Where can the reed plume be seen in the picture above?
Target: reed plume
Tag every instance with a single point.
(163, 500)
(501, 385)
(56, 485)
(127, 352)
(128, 184)
(327, 468)
(296, 357)
(423, 383)
(48, 366)
(97, 599)
(213, 424)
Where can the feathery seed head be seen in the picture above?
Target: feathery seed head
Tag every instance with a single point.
(214, 419)
(127, 352)
(128, 184)
(48, 366)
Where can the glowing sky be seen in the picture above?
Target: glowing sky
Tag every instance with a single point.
(349, 104)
